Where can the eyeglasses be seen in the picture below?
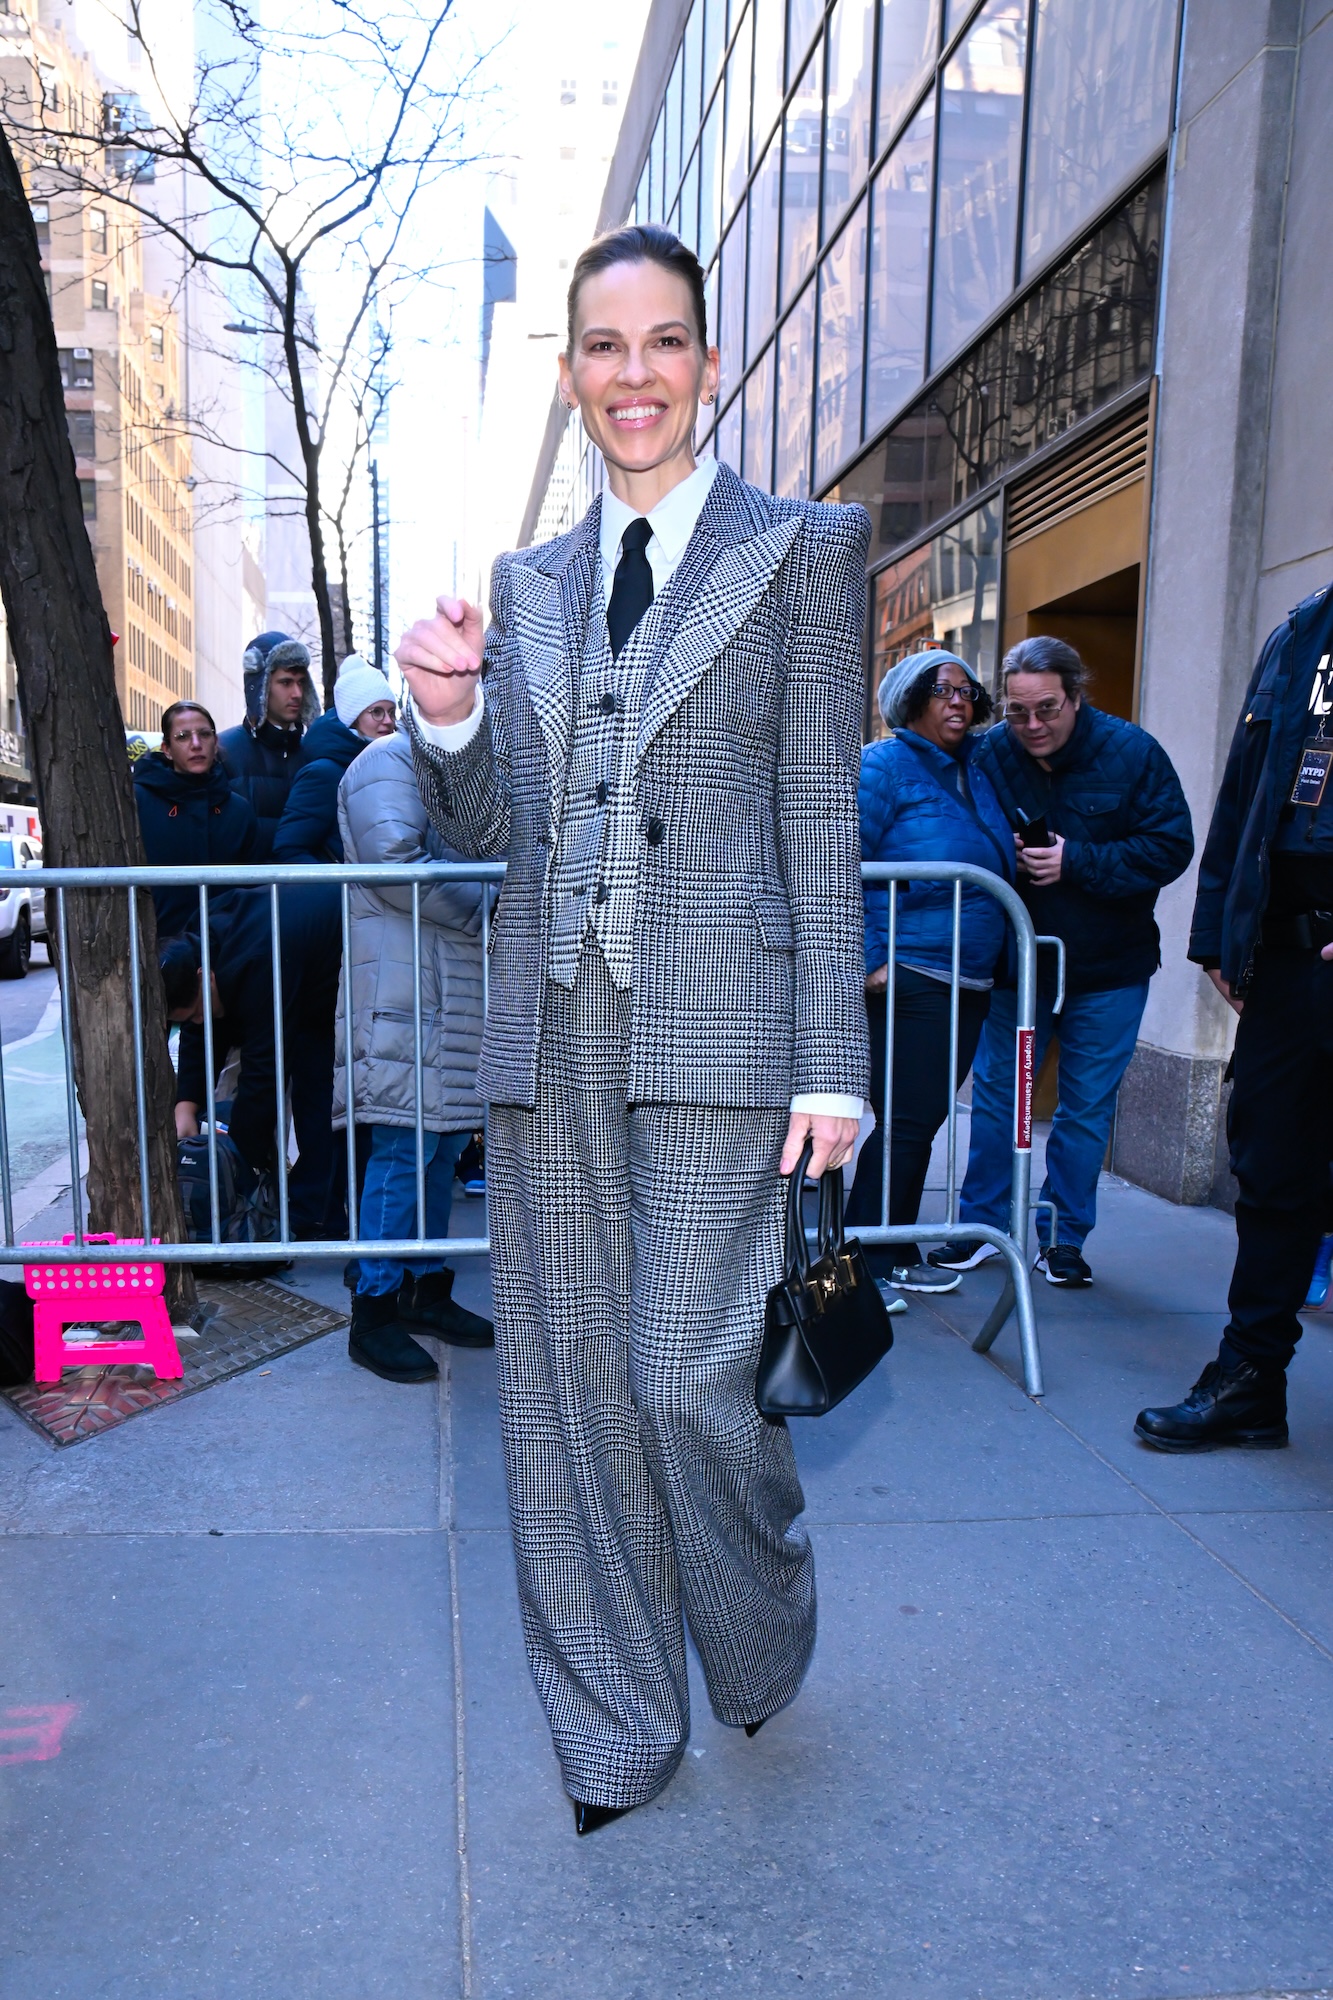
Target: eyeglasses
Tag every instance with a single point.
(1024, 718)
(947, 691)
(193, 735)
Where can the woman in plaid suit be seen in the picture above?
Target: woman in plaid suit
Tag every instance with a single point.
(661, 729)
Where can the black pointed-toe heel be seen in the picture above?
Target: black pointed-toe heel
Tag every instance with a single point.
(753, 1728)
(587, 1819)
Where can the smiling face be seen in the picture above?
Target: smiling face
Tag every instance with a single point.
(636, 373)
(380, 719)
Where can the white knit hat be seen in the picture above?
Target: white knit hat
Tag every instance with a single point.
(358, 686)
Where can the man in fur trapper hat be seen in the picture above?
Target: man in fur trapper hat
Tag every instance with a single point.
(262, 753)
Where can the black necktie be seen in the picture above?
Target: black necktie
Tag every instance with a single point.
(632, 591)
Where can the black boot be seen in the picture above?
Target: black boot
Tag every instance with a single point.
(1229, 1404)
(380, 1342)
(428, 1302)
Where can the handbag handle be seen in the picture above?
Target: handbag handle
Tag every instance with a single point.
(830, 1239)
(797, 1254)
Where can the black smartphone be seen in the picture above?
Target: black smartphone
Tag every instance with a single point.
(1033, 832)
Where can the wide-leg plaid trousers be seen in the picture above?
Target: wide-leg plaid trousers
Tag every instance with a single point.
(632, 1249)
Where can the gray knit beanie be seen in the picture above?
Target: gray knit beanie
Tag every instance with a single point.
(898, 683)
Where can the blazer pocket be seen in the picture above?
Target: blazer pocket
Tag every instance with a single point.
(774, 916)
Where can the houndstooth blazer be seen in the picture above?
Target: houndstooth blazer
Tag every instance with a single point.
(749, 959)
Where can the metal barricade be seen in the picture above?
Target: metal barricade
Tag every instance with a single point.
(1016, 1295)
(273, 877)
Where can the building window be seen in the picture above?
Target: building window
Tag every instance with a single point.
(942, 594)
(82, 432)
(736, 150)
(156, 346)
(765, 214)
(847, 133)
(97, 231)
(76, 367)
(88, 495)
(909, 35)
(795, 349)
(100, 301)
(768, 39)
(800, 184)
(569, 93)
(729, 436)
(1101, 107)
(46, 76)
(842, 293)
(674, 158)
(757, 449)
(981, 119)
(41, 217)
(805, 17)
(610, 92)
(710, 182)
(687, 225)
(730, 334)
(899, 270)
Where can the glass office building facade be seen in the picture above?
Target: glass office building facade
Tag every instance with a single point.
(932, 233)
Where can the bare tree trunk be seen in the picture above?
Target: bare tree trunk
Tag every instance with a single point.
(62, 644)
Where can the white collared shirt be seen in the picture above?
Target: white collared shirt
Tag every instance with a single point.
(674, 520)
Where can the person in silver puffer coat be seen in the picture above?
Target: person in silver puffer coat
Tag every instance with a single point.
(382, 819)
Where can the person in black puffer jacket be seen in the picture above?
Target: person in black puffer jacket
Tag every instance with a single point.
(363, 709)
(263, 753)
(188, 813)
(1119, 831)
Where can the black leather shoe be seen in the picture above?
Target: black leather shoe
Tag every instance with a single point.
(1238, 1406)
(587, 1819)
(378, 1341)
(428, 1302)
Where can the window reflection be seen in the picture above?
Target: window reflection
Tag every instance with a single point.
(739, 91)
(1101, 105)
(691, 76)
(942, 594)
(847, 132)
(729, 437)
(673, 158)
(657, 162)
(731, 314)
(795, 347)
(977, 203)
(759, 424)
(842, 292)
(715, 40)
(909, 35)
(764, 214)
(1078, 342)
(769, 36)
(955, 13)
(800, 184)
(899, 271)
(688, 227)
(804, 18)
(710, 182)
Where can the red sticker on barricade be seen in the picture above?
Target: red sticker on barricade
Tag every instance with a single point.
(1023, 1098)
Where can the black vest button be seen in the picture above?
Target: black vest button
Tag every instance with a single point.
(655, 831)
(601, 794)
(607, 704)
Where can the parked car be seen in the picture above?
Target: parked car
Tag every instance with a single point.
(22, 911)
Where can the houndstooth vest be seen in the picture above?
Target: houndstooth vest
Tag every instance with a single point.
(594, 874)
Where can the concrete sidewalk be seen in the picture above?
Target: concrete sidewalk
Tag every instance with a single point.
(1067, 1734)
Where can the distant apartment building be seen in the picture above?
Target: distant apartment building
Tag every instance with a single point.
(123, 373)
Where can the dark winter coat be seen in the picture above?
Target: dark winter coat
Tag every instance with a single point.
(308, 829)
(1113, 795)
(1265, 751)
(189, 822)
(912, 810)
(261, 759)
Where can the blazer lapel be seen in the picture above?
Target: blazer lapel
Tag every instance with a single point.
(719, 582)
(551, 611)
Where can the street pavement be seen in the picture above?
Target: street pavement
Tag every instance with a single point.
(268, 1731)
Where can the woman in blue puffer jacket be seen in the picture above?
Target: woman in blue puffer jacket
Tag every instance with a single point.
(922, 799)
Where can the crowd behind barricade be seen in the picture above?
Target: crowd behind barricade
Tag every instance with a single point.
(1079, 810)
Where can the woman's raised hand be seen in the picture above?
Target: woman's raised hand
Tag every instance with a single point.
(441, 659)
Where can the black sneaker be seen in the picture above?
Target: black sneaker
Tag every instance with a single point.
(1064, 1265)
(1238, 1406)
(922, 1278)
(964, 1256)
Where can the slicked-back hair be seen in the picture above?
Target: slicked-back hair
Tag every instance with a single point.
(640, 243)
(1045, 655)
(184, 708)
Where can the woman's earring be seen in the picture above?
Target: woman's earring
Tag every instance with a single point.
(710, 399)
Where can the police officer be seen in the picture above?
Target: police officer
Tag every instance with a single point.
(1263, 932)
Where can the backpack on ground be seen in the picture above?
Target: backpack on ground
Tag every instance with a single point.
(247, 1210)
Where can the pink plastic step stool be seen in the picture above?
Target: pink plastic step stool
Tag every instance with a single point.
(74, 1294)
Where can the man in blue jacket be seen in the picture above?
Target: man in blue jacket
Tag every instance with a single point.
(1263, 932)
(1118, 830)
(263, 753)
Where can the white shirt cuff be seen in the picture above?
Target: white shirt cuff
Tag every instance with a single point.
(452, 735)
(827, 1104)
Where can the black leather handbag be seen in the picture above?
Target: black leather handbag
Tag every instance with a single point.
(825, 1326)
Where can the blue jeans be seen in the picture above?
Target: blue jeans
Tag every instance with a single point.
(1097, 1033)
(389, 1198)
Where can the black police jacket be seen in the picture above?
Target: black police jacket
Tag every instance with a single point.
(1234, 873)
